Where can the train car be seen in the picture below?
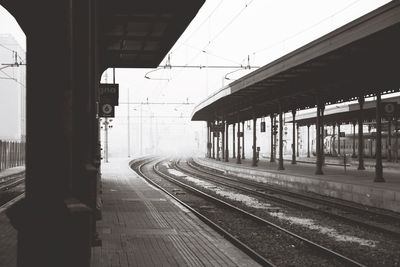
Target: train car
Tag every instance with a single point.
(331, 145)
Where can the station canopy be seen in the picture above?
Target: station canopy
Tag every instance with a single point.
(359, 59)
(140, 33)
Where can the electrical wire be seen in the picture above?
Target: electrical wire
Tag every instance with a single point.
(12, 78)
(306, 29)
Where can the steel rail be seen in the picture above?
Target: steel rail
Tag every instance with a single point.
(347, 261)
(287, 201)
(246, 249)
(324, 201)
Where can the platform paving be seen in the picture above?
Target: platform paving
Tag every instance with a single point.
(142, 226)
(352, 184)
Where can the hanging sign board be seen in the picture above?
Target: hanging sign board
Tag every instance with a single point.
(262, 126)
(109, 93)
(342, 134)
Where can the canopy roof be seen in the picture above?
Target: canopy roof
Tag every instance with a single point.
(139, 33)
(358, 59)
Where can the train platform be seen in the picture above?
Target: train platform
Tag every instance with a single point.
(142, 226)
(350, 184)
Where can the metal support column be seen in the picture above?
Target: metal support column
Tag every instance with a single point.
(308, 140)
(254, 163)
(243, 157)
(272, 158)
(338, 139)
(322, 146)
(294, 137)
(318, 141)
(213, 143)
(238, 160)
(218, 147)
(360, 135)
(297, 140)
(389, 150)
(233, 140)
(354, 140)
(378, 149)
(223, 140)
(280, 166)
(226, 141)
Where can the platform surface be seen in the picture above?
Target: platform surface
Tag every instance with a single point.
(141, 226)
(350, 184)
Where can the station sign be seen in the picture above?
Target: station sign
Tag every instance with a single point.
(106, 110)
(389, 109)
(109, 93)
(216, 134)
(240, 134)
(342, 134)
(262, 126)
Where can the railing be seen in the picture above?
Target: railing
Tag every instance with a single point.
(12, 154)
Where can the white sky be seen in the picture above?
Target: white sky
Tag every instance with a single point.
(223, 33)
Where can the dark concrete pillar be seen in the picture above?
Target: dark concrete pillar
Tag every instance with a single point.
(354, 140)
(226, 141)
(233, 140)
(308, 140)
(280, 166)
(272, 157)
(318, 141)
(238, 159)
(243, 157)
(218, 147)
(294, 137)
(378, 148)
(360, 135)
(254, 162)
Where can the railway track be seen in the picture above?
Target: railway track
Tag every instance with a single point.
(12, 189)
(301, 250)
(360, 216)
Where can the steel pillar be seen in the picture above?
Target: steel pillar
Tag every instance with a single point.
(218, 147)
(294, 137)
(238, 160)
(226, 141)
(308, 141)
(254, 162)
(378, 148)
(272, 158)
(243, 157)
(338, 139)
(233, 140)
(360, 135)
(318, 141)
(354, 140)
(280, 166)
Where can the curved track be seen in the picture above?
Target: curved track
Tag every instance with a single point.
(360, 216)
(310, 247)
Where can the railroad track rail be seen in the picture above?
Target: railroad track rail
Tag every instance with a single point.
(309, 246)
(9, 194)
(360, 216)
